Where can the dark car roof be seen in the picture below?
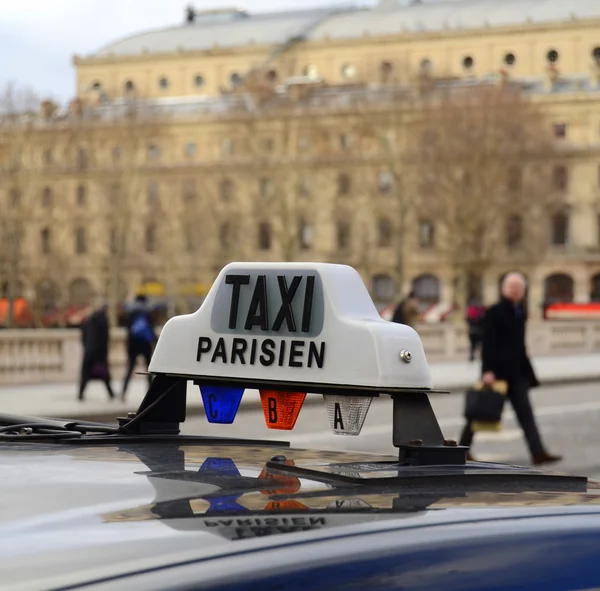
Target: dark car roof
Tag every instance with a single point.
(115, 508)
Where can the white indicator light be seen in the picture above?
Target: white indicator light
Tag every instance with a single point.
(347, 414)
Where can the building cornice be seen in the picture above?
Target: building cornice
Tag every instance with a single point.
(365, 40)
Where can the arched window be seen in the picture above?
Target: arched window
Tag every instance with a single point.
(559, 288)
(427, 288)
(384, 288)
(129, 86)
(163, 82)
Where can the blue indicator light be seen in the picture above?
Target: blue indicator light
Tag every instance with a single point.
(221, 404)
(219, 467)
(225, 505)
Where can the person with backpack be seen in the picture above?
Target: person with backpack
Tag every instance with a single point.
(141, 338)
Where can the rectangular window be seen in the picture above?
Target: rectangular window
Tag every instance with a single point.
(80, 241)
(190, 150)
(303, 143)
(189, 190)
(306, 235)
(264, 236)
(343, 235)
(152, 193)
(514, 231)
(560, 131)
(150, 238)
(266, 145)
(266, 188)
(81, 196)
(560, 229)
(386, 182)
(227, 147)
(560, 177)
(46, 241)
(345, 141)
(426, 234)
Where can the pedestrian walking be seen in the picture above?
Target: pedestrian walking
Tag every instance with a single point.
(95, 338)
(475, 319)
(141, 338)
(504, 357)
(407, 311)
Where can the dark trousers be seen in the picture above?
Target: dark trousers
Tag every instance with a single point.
(518, 394)
(86, 376)
(475, 340)
(135, 350)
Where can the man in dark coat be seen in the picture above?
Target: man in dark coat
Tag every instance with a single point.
(141, 338)
(95, 337)
(504, 357)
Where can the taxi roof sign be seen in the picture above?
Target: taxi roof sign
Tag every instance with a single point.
(308, 324)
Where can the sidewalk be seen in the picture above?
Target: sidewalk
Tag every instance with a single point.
(59, 400)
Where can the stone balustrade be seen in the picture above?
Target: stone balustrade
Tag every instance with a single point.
(54, 355)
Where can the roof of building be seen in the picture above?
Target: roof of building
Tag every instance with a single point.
(236, 28)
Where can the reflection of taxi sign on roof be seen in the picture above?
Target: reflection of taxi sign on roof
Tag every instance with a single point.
(288, 330)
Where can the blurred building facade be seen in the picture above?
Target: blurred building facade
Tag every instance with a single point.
(212, 176)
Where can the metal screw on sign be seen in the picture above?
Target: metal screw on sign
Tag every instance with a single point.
(406, 356)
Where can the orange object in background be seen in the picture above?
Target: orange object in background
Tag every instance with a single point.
(279, 484)
(22, 315)
(572, 311)
(281, 409)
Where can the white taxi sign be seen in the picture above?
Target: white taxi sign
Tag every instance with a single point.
(297, 323)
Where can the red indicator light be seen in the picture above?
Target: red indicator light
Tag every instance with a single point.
(279, 484)
(285, 506)
(281, 409)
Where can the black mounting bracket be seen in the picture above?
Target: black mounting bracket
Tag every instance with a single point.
(417, 433)
(162, 409)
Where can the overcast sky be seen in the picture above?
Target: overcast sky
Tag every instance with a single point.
(39, 37)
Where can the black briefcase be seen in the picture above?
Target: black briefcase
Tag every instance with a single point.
(484, 404)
